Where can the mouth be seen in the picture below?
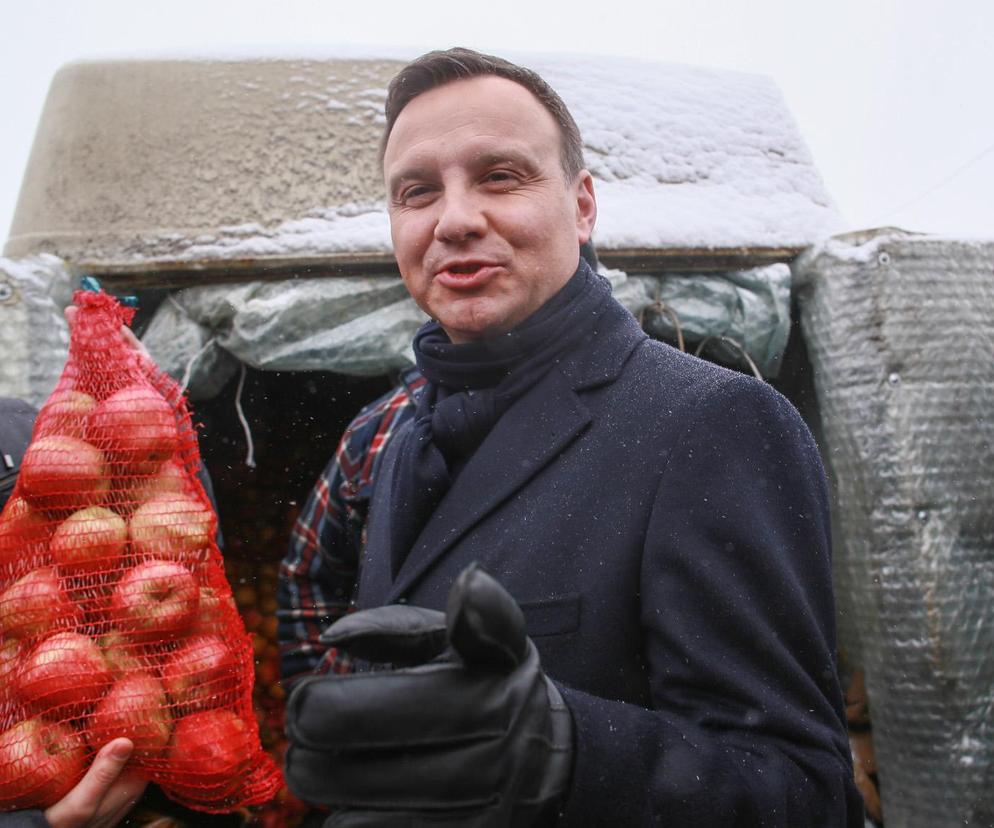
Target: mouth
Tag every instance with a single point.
(466, 274)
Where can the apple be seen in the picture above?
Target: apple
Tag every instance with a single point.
(204, 672)
(209, 755)
(20, 522)
(40, 762)
(63, 474)
(35, 605)
(24, 535)
(169, 478)
(64, 676)
(123, 655)
(10, 653)
(94, 539)
(174, 526)
(66, 412)
(134, 707)
(136, 426)
(155, 602)
(91, 595)
(216, 612)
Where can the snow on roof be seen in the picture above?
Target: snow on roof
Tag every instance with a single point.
(692, 157)
(682, 157)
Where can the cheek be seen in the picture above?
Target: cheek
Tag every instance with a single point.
(410, 239)
(539, 225)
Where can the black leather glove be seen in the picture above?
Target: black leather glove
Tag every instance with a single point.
(456, 725)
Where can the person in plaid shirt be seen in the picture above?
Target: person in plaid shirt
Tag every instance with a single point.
(318, 573)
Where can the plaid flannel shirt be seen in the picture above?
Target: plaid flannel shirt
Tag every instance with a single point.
(320, 571)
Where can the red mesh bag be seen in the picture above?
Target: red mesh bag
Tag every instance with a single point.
(115, 615)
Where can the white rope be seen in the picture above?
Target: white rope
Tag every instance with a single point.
(189, 365)
(185, 382)
(250, 456)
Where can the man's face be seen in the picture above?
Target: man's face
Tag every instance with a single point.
(485, 227)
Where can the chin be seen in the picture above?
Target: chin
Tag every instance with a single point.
(478, 318)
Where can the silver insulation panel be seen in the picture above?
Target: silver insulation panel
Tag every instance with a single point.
(34, 337)
(900, 333)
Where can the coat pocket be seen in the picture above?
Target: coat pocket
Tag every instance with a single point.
(552, 616)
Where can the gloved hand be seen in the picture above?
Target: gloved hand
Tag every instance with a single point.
(460, 727)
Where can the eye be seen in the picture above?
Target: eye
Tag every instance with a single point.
(414, 195)
(501, 179)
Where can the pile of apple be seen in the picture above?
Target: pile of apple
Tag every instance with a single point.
(254, 586)
(114, 618)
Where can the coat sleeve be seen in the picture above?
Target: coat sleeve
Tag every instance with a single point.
(737, 611)
(24, 819)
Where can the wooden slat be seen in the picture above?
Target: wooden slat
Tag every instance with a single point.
(173, 274)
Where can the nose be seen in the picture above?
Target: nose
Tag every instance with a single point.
(461, 217)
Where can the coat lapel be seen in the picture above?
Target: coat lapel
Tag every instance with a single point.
(525, 439)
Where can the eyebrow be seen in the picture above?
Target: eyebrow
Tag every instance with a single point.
(493, 158)
(408, 174)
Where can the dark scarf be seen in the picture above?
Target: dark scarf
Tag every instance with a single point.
(469, 387)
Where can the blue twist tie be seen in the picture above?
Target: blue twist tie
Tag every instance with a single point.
(92, 283)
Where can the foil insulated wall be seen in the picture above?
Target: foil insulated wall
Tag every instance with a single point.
(34, 337)
(900, 332)
(363, 326)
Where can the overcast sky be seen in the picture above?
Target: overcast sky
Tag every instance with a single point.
(894, 98)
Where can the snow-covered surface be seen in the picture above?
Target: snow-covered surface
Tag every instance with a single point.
(357, 228)
(682, 157)
(692, 157)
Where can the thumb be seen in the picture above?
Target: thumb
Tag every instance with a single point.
(396, 634)
(108, 764)
(486, 626)
(78, 806)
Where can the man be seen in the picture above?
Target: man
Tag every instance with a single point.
(319, 573)
(656, 524)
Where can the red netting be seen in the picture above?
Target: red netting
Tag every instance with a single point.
(116, 618)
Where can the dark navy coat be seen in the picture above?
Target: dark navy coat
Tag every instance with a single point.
(663, 523)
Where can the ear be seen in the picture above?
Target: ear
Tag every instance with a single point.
(586, 206)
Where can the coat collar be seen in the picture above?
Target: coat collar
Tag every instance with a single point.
(527, 437)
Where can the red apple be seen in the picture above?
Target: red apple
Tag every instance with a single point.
(40, 762)
(66, 412)
(155, 602)
(170, 478)
(10, 654)
(137, 427)
(175, 526)
(24, 535)
(64, 676)
(35, 605)
(63, 473)
(210, 752)
(215, 613)
(123, 655)
(204, 672)
(91, 595)
(31, 528)
(134, 707)
(90, 540)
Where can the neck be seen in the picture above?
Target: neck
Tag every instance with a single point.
(551, 329)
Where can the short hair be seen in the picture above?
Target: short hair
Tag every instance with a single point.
(438, 68)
